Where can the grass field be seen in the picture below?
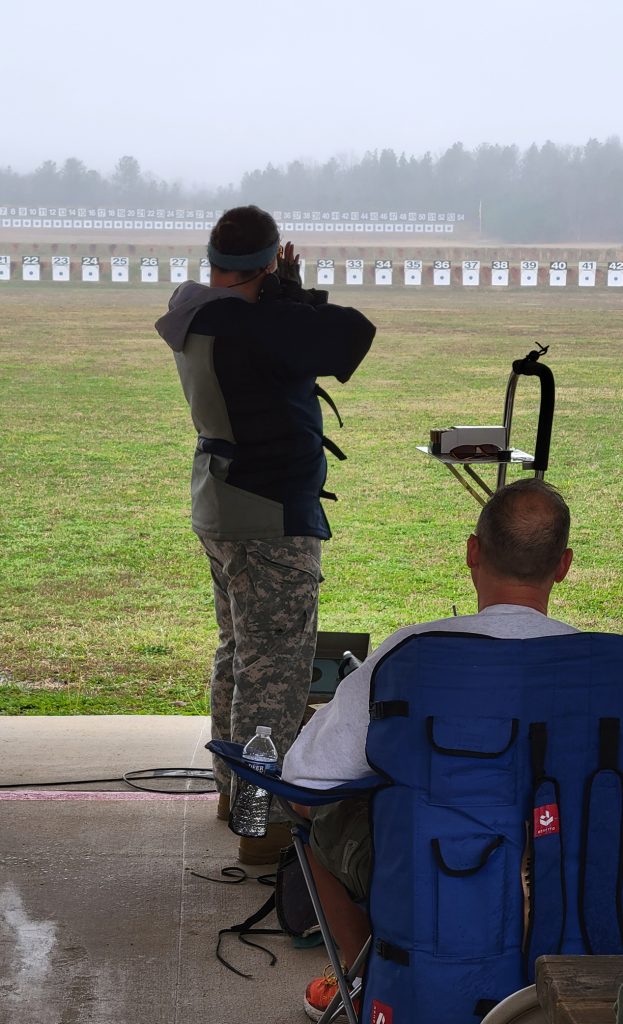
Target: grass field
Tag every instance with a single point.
(105, 601)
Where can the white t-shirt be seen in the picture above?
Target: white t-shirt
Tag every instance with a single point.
(331, 749)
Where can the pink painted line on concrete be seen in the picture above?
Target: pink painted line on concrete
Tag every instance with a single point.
(41, 794)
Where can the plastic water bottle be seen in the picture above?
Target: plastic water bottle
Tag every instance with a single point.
(251, 804)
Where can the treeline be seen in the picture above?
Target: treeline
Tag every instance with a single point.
(548, 193)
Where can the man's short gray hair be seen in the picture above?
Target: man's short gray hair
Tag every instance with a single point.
(523, 530)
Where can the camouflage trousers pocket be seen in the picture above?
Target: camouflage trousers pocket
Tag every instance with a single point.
(281, 591)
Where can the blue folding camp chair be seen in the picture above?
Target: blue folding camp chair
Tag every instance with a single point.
(497, 820)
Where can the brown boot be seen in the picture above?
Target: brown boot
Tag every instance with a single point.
(266, 849)
(222, 810)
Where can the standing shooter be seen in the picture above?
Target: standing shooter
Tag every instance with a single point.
(248, 351)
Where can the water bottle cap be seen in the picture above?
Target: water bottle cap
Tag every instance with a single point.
(263, 730)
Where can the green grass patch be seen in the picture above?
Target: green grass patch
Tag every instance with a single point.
(105, 596)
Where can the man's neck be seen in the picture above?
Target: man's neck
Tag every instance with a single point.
(248, 290)
(524, 595)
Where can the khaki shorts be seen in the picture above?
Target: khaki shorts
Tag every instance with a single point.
(340, 841)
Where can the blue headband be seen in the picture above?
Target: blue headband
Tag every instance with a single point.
(252, 261)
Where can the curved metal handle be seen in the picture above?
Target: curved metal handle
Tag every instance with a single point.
(530, 368)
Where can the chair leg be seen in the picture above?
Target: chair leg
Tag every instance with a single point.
(336, 1003)
(343, 994)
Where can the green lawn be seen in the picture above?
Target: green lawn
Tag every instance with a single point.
(105, 601)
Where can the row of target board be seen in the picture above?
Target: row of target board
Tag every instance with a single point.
(383, 269)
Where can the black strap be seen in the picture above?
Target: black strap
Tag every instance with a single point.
(389, 952)
(609, 729)
(215, 446)
(430, 730)
(333, 448)
(380, 709)
(547, 911)
(328, 495)
(326, 397)
(246, 928)
(601, 855)
(464, 872)
(538, 749)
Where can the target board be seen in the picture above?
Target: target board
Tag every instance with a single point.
(528, 273)
(413, 272)
(120, 269)
(204, 270)
(354, 271)
(587, 272)
(5, 268)
(325, 271)
(31, 268)
(558, 274)
(471, 273)
(383, 272)
(61, 268)
(90, 268)
(178, 266)
(615, 274)
(499, 273)
(442, 271)
(149, 269)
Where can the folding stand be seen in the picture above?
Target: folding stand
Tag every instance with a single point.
(528, 367)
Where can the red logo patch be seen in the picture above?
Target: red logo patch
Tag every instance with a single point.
(546, 820)
(381, 1014)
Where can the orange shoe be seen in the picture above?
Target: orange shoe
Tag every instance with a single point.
(319, 994)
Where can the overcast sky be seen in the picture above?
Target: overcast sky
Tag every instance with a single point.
(203, 90)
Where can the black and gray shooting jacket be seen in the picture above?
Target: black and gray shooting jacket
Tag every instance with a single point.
(248, 370)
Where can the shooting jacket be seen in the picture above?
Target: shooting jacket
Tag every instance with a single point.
(248, 370)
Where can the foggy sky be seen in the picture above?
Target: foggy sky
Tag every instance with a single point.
(204, 90)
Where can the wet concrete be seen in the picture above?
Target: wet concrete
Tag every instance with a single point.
(101, 917)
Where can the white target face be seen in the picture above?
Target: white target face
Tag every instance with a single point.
(120, 269)
(90, 268)
(471, 273)
(179, 268)
(204, 270)
(5, 268)
(60, 268)
(325, 271)
(383, 272)
(354, 272)
(558, 274)
(587, 271)
(615, 274)
(499, 273)
(529, 273)
(413, 272)
(31, 268)
(149, 270)
(442, 271)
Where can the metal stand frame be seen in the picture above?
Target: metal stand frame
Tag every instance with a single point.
(528, 367)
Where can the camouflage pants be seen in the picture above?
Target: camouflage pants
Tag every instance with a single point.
(266, 606)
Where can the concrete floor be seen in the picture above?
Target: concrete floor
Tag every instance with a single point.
(101, 918)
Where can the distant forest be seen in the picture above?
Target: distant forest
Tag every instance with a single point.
(551, 193)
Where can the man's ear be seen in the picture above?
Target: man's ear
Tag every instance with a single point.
(473, 551)
(564, 565)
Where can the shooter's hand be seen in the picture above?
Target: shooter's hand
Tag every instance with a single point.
(288, 266)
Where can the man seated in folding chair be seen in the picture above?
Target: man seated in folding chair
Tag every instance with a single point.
(518, 551)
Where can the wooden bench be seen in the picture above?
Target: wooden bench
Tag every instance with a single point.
(579, 989)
